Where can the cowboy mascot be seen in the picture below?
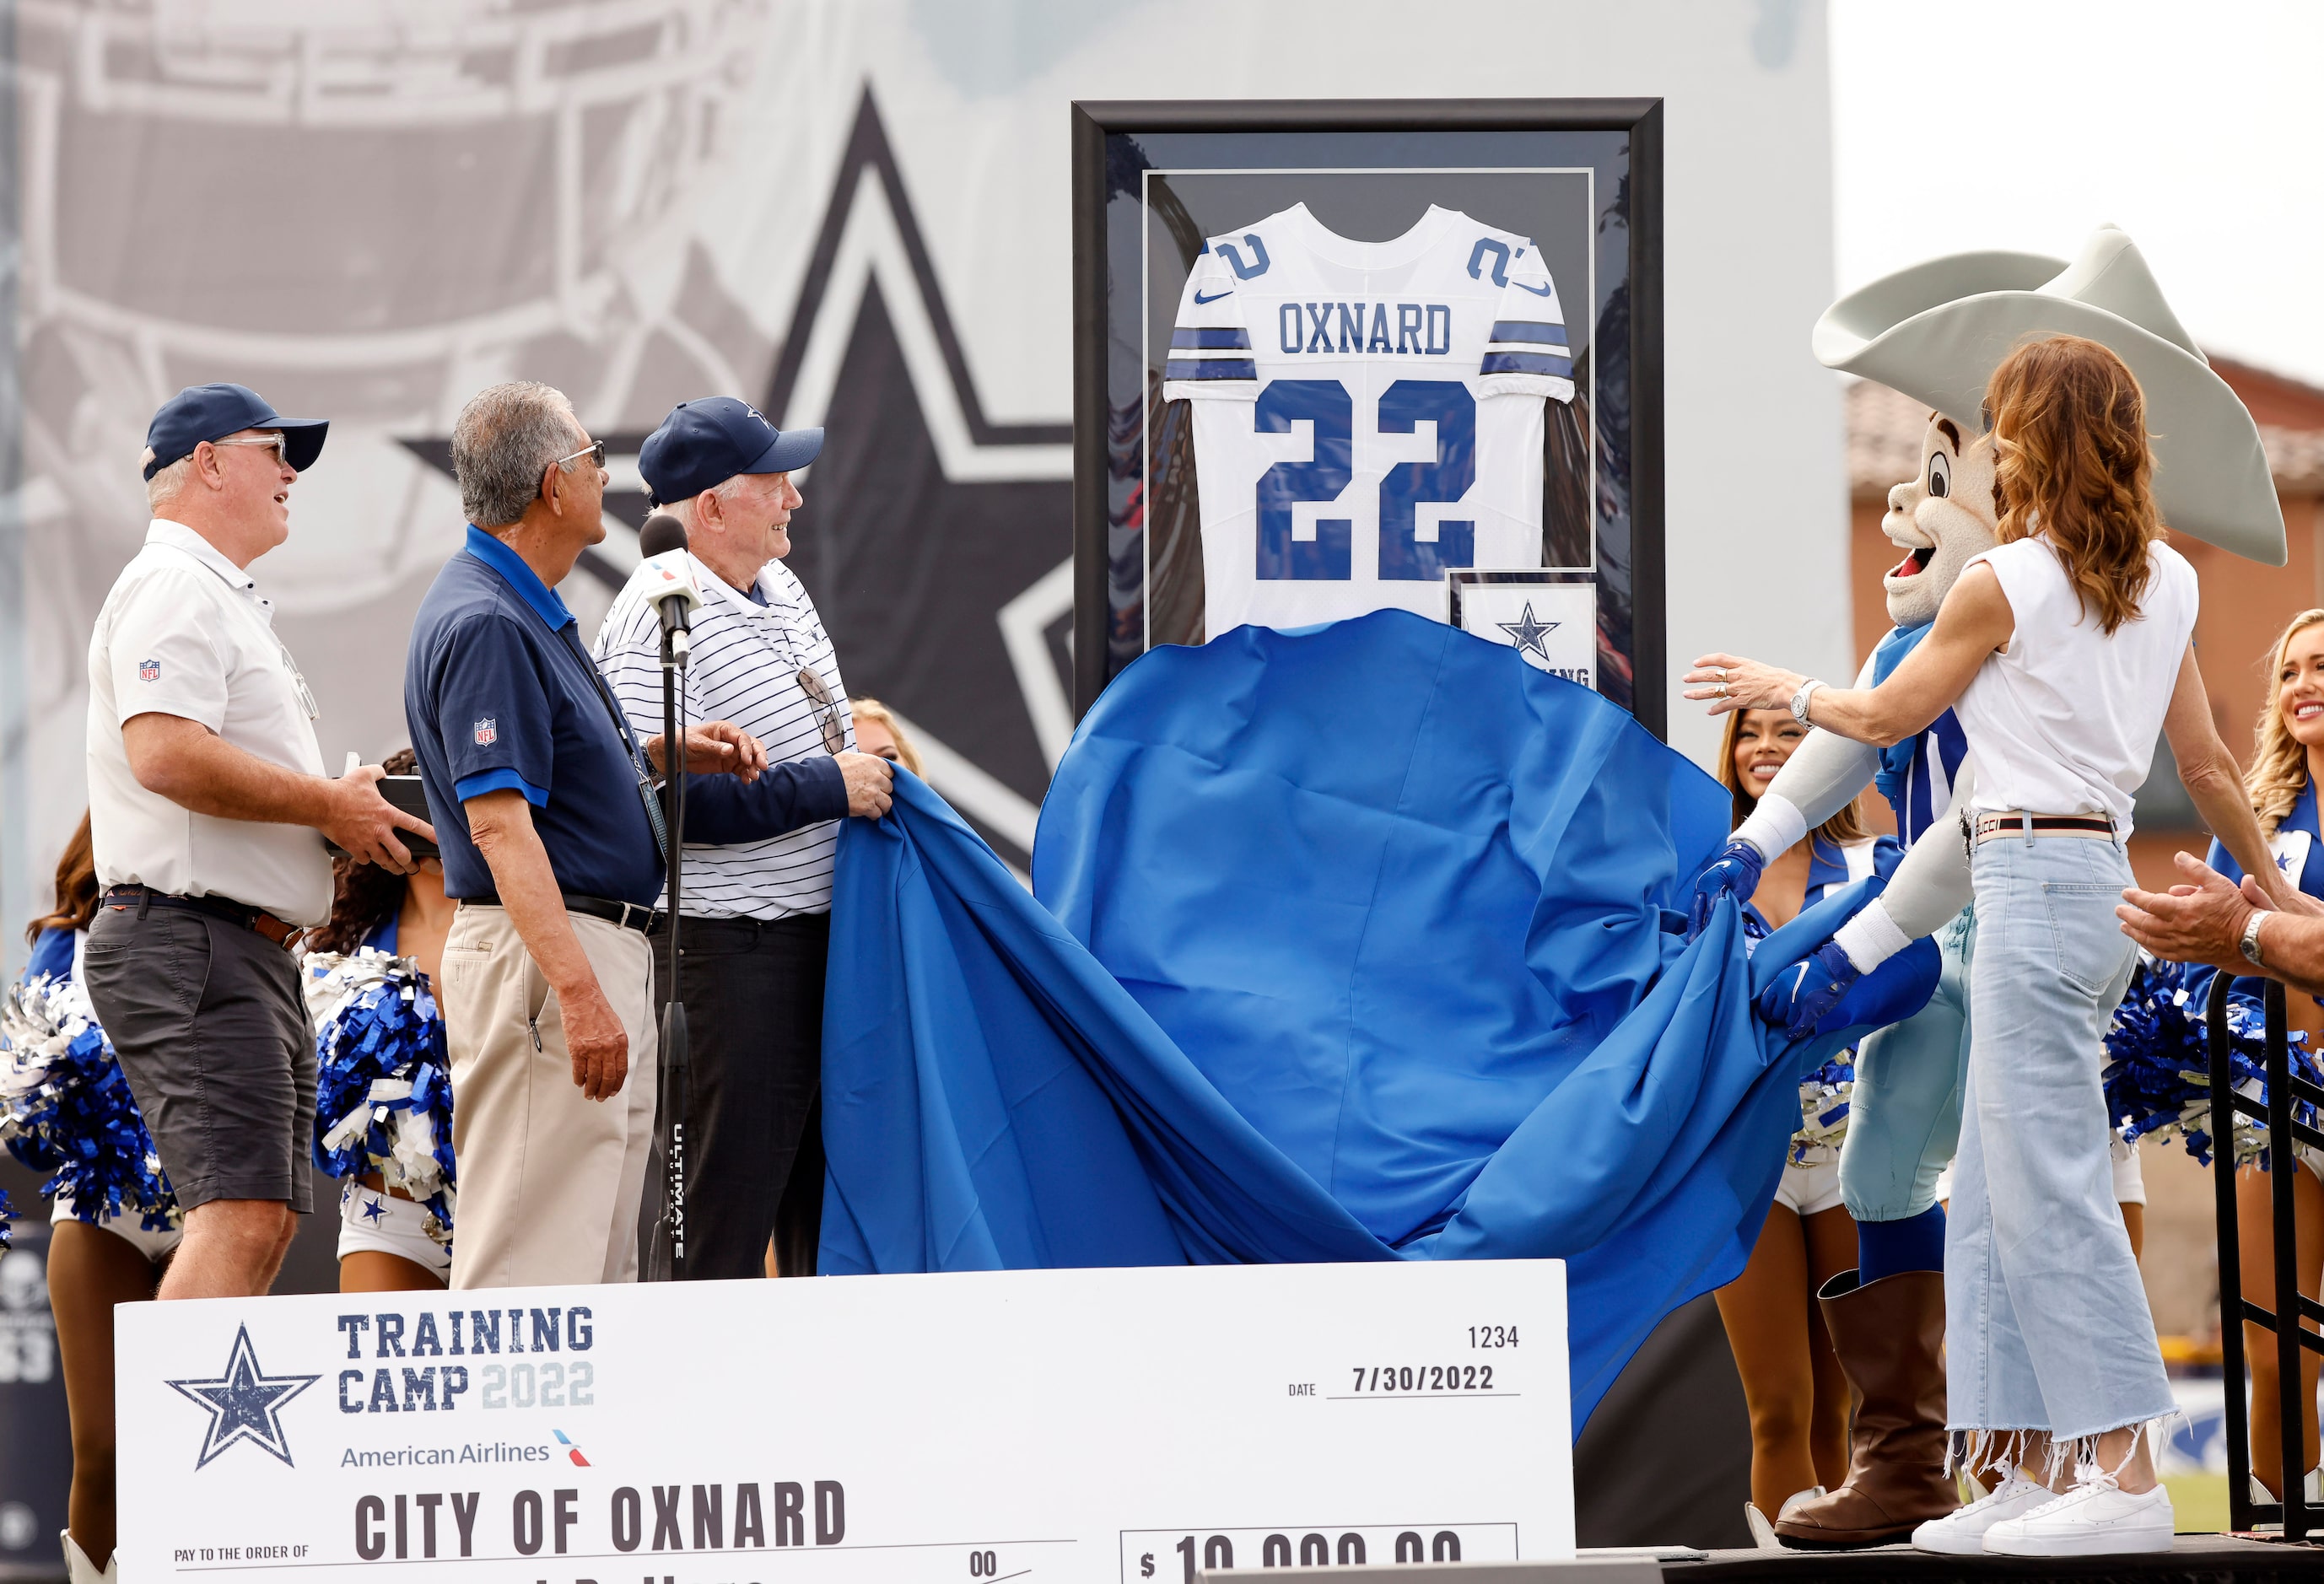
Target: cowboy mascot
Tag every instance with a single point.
(1936, 331)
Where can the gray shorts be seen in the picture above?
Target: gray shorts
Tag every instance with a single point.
(207, 1020)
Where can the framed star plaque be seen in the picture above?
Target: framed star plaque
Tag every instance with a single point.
(1335, 357)
(1551, 618)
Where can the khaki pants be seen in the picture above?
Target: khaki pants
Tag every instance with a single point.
(550, 1180)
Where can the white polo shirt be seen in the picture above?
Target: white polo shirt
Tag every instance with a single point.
(185, 632)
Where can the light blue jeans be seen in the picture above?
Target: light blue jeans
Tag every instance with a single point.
(2047, 1324)
(1903, 1121)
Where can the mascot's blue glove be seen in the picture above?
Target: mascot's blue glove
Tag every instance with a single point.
(1733, 873)
(1802, 995)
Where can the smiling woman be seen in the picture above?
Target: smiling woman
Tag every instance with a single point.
(2283, 783)
(1792, 1383)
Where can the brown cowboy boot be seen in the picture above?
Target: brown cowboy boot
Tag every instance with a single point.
(1890, 1339)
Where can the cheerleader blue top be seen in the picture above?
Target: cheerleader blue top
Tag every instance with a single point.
(52, 955)
(1827, 871)
(2295, 846)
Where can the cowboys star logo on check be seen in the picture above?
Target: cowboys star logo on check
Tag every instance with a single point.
(244, 1403)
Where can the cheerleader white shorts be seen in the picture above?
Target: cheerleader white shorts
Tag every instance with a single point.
(372, 1222)
(130, 1228)
(1809, 1189)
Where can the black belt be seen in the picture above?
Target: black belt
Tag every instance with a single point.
(635, 916)
(241, 915)
(735, 925)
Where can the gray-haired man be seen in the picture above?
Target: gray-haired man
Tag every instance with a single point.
(544, 808)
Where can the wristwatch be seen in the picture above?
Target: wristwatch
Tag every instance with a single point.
(1799, 700)
(2250, 943)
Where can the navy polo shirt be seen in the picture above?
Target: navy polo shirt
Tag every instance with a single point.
(498, 693)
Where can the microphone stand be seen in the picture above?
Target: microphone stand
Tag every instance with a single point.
(675, 649)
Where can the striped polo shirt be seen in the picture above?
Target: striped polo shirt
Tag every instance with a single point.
(745, 668)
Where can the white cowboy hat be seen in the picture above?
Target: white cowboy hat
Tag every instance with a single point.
(1937, 331)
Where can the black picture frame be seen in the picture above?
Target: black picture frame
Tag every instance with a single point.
(1098, 652)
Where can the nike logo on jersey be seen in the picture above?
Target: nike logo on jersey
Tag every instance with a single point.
(1214, 296)
(1547, 288)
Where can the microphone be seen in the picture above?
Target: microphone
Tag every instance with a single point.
(661, 533)
(668, 581)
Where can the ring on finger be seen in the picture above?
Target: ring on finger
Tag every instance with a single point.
(1722, 690)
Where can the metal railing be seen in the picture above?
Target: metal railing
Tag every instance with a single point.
(2295, 1408)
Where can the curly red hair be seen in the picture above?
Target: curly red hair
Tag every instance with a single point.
(2072, 461)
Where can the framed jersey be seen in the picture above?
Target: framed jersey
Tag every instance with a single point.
(1331, 357)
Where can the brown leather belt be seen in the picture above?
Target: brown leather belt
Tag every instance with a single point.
(1992, 827)
(240, 914)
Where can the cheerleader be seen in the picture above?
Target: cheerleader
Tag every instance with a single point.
(383, 1114)
(2281, 783)
(117, 1223)
(1792, 1380)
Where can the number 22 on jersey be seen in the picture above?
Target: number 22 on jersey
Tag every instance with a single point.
(1328, 470)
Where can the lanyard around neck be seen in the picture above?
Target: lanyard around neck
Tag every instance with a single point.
(572, 641)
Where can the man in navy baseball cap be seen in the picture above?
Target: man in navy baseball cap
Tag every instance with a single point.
(703, 444)
(759, 858)
(212, 412)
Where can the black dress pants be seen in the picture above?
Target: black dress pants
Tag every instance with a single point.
(753, 995)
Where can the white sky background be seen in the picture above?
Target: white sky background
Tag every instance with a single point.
(2023, 124)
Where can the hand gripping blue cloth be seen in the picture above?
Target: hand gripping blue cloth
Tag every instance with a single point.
(1359, 944)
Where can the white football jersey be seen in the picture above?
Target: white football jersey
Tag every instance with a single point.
(1366, 414)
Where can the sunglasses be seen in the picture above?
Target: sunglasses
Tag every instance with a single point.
(834, 735)
(276, 443)
(594, 451)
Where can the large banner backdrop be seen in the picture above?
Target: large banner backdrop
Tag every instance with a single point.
(855, 215)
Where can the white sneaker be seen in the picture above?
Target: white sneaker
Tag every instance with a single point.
(2096, 1518)
(1961, 1532)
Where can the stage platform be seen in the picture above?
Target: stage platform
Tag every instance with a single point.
(2197, 1559)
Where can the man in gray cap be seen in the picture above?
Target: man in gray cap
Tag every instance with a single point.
(757, 925)
(207, 796)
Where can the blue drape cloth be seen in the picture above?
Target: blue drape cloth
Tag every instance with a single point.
(1359, 943)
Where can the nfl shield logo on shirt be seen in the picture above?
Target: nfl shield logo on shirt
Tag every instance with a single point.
(488, 731)
(149, 670)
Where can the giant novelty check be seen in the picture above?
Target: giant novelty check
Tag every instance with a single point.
(1059, 1427)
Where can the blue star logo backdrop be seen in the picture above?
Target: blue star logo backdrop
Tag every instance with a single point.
(944, 581)
(244, 1403)
(1526, 631)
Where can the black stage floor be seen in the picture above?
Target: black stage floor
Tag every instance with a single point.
(2197, 1559)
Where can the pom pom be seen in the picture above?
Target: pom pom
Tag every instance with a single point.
(66, 1108)
(2158, 1071)
(1825, 1095)
(382, 1078)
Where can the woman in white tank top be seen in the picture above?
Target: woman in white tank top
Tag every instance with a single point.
(2062, 652)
